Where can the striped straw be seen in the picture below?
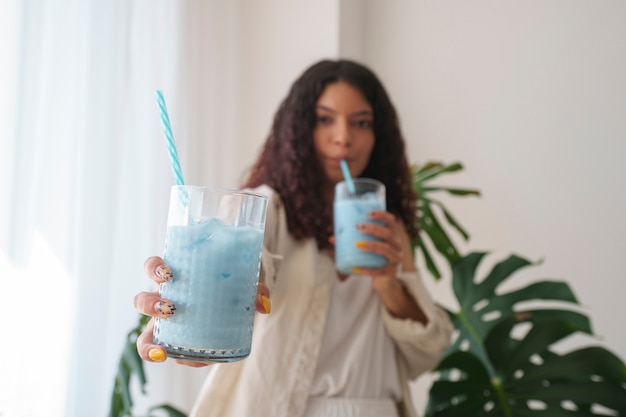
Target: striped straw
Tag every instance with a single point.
(347, 176)
(171, 146)
(169, 137)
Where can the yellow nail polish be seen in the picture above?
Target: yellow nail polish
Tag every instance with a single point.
(267, 304)
(157, 355)
(357, 270)
(360, 244)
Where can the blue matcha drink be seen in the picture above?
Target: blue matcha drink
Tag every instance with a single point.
(351, 209)
(215, 271)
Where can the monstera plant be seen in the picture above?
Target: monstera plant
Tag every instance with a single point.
(502, 361)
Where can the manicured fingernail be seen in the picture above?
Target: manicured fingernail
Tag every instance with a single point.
(157, 355)
(164, 272)
(360, 244)
(267, 304)
(357, 270)
(360, 226)
(165, 307)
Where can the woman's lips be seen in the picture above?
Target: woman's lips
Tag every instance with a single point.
(337, 161)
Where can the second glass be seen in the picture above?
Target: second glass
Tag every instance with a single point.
(350, 209)
(213, 247)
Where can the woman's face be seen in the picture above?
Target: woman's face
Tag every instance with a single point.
(344, 130)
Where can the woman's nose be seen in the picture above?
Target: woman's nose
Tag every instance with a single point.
(341, 134)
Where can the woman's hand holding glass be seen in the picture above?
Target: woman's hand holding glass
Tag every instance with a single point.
(150, 304)
(394, 245)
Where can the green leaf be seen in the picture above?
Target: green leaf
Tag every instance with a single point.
(462, 192)
(577, 319)
(430, 227)
(481, 308)
(471, 391)
(117, 405)
(122, 380)
(130, 364)
(133, 361)
(584, 377)
(452, 221)
(435, 232)
(171, 411)
(433, 170)
(502, 271)
(430, 263)
(463, 272)
(544, 290)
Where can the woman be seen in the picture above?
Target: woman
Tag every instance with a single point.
(333, 345)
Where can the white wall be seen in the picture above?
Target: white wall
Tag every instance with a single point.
(278, 39)
(531, 97)
(246, 54)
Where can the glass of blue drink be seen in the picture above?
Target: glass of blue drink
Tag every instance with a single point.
(351, 208)
(213, 247)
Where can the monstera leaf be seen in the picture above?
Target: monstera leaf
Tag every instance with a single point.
(131, 364)
(432, 215)
(503, 361)
(481, 308)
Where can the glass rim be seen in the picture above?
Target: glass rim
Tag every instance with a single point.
(220, 190)
(363, 180)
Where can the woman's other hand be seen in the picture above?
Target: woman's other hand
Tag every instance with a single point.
(393, 244)
(150, 304)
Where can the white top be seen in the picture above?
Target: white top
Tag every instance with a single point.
(355, 346)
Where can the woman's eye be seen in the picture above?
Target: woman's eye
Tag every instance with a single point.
(321, 119)
(363, 124)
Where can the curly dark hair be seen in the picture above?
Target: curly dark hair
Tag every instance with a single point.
(288, 162)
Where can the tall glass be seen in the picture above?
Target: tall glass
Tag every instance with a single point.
(213, 247)
(350, 209)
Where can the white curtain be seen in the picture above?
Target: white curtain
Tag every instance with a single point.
(85, 181)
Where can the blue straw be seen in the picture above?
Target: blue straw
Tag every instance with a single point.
(169, 137)
(347, 176)
(171, 146)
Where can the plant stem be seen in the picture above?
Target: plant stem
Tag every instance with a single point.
(496, 383)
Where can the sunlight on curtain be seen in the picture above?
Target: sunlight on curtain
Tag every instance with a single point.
(8, 74)
(36, 288)
(36, 354)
